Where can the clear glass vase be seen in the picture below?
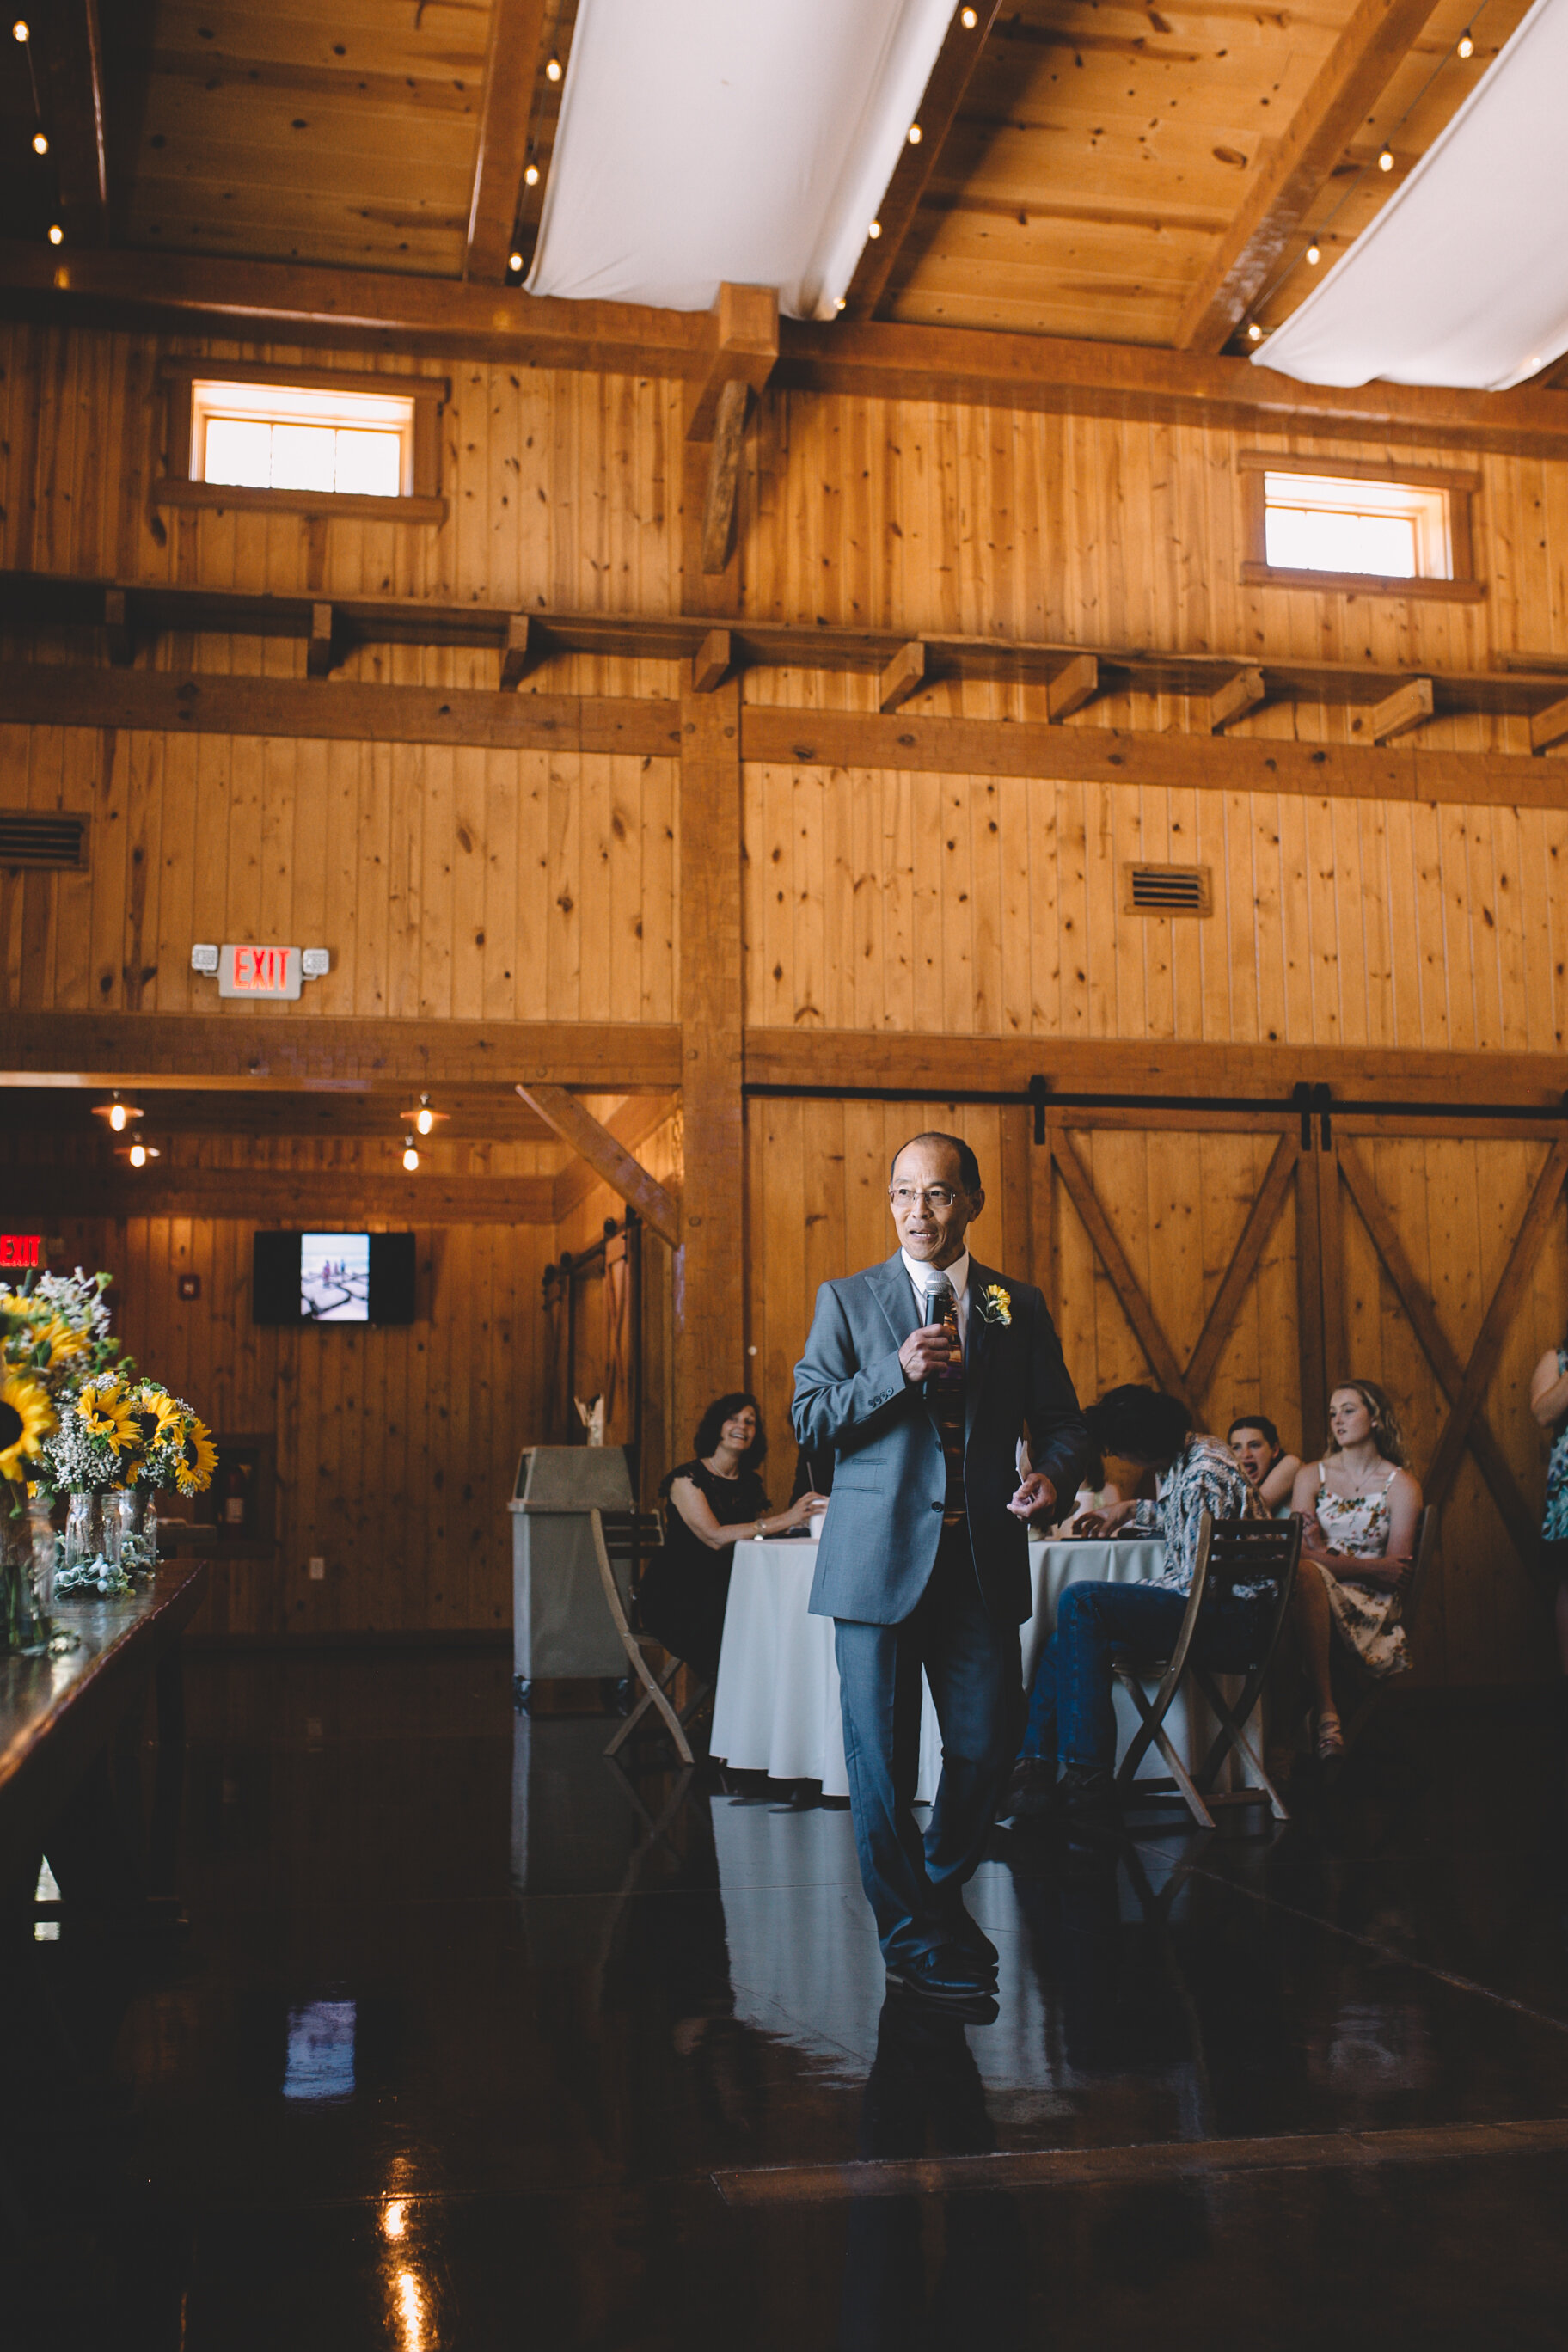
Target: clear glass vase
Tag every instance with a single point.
(118, 1519)
(25, 1627)
(81, 1532)
(41, 1528)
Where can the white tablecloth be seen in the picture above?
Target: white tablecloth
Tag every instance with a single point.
(776, 1705)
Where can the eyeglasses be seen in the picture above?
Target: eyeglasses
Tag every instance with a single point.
(910, 1196)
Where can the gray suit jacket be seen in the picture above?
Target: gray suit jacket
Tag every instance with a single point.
(880, 1540)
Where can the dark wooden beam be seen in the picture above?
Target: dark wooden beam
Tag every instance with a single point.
(606, 1156)
(353, 309)
(943, 95)
(723, 475)
(1287, 179)
(511, 61)
(280, 1195)
(630, 1125)
(1408, 705)
(514, 661)
(179, 1049)
(905, 675)
(1075, 685)
(1549, 726)
(740, 346)
(710, 661)
(1238, 696)
(70, 47)
(711, 1283)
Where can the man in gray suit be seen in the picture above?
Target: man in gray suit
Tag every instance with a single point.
(922, 1374)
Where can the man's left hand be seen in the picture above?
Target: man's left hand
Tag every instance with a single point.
(1036, 1498)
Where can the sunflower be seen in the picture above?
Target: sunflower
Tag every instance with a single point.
(62, 1342)
(27, 1417)
(194, 1473)
(106, 1413)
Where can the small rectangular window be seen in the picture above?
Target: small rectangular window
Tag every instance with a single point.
(1357, 526)
(274, 437)
(314, 441)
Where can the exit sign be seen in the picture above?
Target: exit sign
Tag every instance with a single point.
(247, 971)
(21, 1249)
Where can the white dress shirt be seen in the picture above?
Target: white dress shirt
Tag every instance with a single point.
(957, 1274)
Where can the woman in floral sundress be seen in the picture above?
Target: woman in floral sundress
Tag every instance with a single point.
(1548, 1403)
(1359, 1507)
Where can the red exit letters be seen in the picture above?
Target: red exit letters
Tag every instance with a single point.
(246, 969)
(20, 1249)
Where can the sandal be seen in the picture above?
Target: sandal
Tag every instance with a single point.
(1330, 1738)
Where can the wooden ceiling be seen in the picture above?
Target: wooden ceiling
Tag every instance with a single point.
(1096, 169)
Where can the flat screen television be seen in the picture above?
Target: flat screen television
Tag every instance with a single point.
(332, 1278)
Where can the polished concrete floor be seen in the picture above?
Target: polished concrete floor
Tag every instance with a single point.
(477, 2043)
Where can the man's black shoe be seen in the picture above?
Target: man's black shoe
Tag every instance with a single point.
(947, 1975)
(1031, 1792)
(1088, 1807)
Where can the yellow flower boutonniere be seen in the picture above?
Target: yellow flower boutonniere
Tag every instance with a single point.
(996, 1304)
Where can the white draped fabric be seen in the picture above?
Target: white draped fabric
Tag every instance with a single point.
(1462, 278)
(702, 141)
(776, 1705)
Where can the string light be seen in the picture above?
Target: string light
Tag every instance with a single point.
(552, 70)
(139, 1155)
(1466, 44)
(968, 20)
(57, 234)
(41, 144)
(21, 30)
(426, 1118)
(514, 261)
(1386, 161)
(117, 1117)
(410, 1155)
(1255, 332)
(839, 304)
(1314, 255)
(875, 230)
(118, 1114)
(531, 177)
(915, 134)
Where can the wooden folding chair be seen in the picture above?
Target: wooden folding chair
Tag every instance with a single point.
(1365, 1689)
(1230, 1552)
(630, 1536)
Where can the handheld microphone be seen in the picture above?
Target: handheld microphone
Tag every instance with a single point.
(938, 1287)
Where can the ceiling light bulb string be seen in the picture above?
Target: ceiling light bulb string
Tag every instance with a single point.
(1318, 234)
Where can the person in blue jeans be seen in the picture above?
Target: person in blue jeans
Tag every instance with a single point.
(1071, 1718)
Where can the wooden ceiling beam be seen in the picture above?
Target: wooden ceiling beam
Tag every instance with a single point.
(1044, 375)
(607, 1156)
(512, 65)
(943, 95)
(295, 1196)
(740, 346)
(71, 46)
(1288, 178)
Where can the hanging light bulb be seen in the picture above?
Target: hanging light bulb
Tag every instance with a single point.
(1314, 254)
(426, 1118)
(875, 230)
(410, 1155)
(531, 177)
(1467, 43)
(1255, 332)
(552, 70)
(514, 261)
(40, 143)
(1386, 161)
(57, 234)
(968, 20)
(916, 134)
(117, 1117)
(839, 304)
(21, 30)
(139, 1155)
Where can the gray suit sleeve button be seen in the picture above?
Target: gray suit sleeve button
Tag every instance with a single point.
(939, 1507)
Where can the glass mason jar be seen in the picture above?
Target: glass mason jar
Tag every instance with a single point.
(41, 1528)
(24, 1626)
(81, 1531)
(118, 1516)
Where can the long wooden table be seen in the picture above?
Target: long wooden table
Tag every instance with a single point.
(60, 1716)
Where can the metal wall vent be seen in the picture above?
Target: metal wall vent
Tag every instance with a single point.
(1168, 890)
(43, 837)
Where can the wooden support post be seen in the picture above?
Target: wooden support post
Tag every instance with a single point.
(723, 477)
(1074, 684)
(1239, 695)
(743, 348)
(607, 1156)
(117, 627)
(319, 658)
(514, 656)
(1408, 705)
(710, 1288)
(1549, 726)
(904, 676)
(710, 661)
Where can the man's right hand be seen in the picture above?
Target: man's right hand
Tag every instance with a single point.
(929, 1348)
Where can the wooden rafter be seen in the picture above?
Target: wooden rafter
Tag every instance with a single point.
(606, 1156)
(1370, 50)
(512, 62)
(1131, 1297)
(72, 47)
(293, 1195)
(943, 95)
(1484, 1355)
(635, 1121)
(298, 303)
(1512, 1509)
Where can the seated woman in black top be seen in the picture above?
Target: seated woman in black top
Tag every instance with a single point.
(715, 1501)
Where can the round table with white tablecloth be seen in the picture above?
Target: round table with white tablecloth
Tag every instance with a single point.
(776, 1705)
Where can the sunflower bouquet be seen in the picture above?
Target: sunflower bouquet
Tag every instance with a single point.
(177, 1450)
